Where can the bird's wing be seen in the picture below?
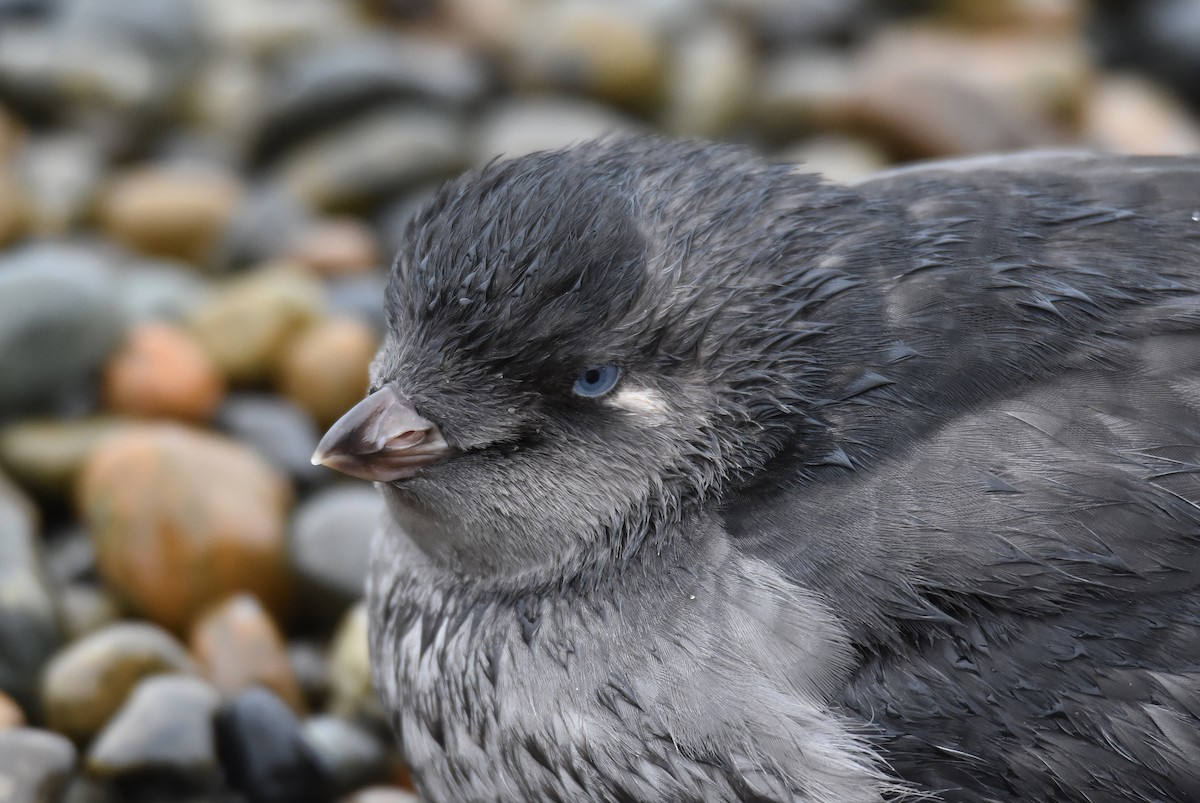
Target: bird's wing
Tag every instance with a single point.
(1007, 515)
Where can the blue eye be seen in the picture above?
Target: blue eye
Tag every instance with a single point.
(597, 380)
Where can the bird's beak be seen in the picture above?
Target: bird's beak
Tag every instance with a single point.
(382, 438)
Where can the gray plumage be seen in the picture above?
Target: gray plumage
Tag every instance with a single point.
(898, 493)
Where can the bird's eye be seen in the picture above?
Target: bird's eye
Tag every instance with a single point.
(597, 380)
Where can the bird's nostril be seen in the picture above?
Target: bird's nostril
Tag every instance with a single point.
(406, 439)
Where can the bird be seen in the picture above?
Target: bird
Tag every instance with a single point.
(708, 479)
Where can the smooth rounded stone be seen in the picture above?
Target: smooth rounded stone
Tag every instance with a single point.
(392, 222)
(250, 320)
(342, 246)
(1128, 114)
(268, 29)
(238, 646)
(325, 368)
(609, 50)
(1035, 15)
(89, 680)
(330, 543)
(14, 209)
(382, 794)
(374, 156)
(226, 99)
(47, 455)
(167, 28)
(34, 765)
(182, 518)
(70, 555)
(29, 631)
(161, 371)
(799, 21)
(712, 78)
(159, 290)
(837, 157)
(310, 663)
(490, 25)
(359, 297)
(1159, 38)
(930, 92)
(86, 608)
(161, 740)
(11, 715)
(278, 430)
(354, 756)
(59, 321)
(352, 690)
(518, 126)
(266, 224)
(12, 134)
(174, 211)
(342, 78)
(264, 752)
(800, 91)
(61, 173)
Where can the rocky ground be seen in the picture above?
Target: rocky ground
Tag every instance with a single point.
(198, 199)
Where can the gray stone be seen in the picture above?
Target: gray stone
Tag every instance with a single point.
(336, 81)
(29, 632)
(375, 156)
(524, 125)
(280, 431)
(360, 297)
(162, 738)
(61, 173)
(311, 666)
(159, 290)
(329, 545)
(59, 321)
(86, 608)
(354, 756)
(33, 765)
(86, 683)
(266, 224)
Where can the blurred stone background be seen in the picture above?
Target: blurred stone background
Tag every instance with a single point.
(198, 199)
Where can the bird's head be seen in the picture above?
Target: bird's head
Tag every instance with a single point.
(583, 343)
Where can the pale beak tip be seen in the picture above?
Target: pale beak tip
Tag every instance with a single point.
(318, 458)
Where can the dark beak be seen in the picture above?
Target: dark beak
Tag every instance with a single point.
(382, 438)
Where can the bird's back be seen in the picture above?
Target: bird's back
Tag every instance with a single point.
(1006, 507)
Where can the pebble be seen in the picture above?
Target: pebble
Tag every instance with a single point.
(603, 49)
(171, 211)
(837, 157)
(791, 22)
(161, 371)
(931, 93)
(340, 246)
(160, 740)
(352, 691)
(381, 794)
(34, 765)
(12, 135)
(59, 321)
(250, 320)
(238, 646)
(89, 680)
(14, 209)
(354, 756)
(1128, 114)
(265, 226)
(159, 290)
(711, 82)
(226, 99)
(282, 433)
(11, 715)
(374, 156)
(29, 631)
(324, 370)
(311, 664)
(340, 79)
(801, 91)
(62, 173)
(264, 753)
(46, 455)
(215, 525)
(267, 29)
(329, 544)
(86, 608)
(359, 297)
(517, 126)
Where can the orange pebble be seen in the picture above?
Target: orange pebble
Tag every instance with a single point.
(161, 371)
